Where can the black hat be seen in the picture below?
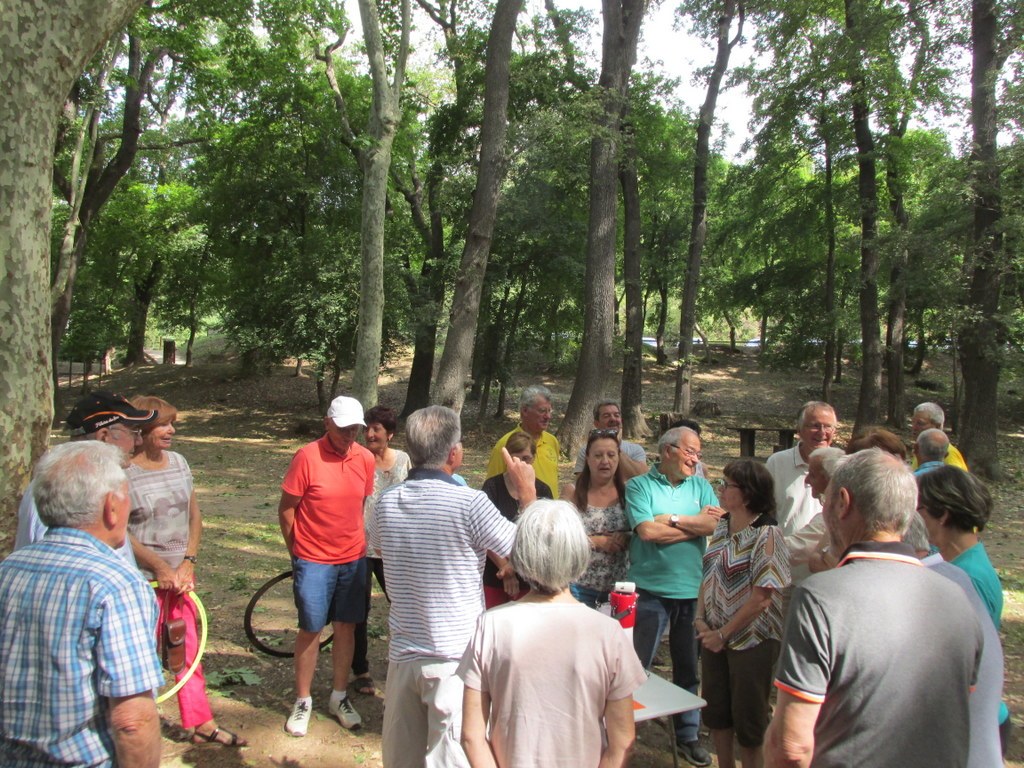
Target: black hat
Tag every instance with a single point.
(103, 409)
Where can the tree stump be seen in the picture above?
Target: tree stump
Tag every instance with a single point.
(706, 407)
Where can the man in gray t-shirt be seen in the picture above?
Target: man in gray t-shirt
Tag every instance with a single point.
(879, 655)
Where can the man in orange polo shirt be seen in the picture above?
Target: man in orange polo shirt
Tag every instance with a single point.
(321, 516)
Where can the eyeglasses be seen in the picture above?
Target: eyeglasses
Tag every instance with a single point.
(687, 452)
(135, 434)
(819, 427)
(723, 484)
(597, 433)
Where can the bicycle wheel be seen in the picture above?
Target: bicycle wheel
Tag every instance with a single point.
(270, 618)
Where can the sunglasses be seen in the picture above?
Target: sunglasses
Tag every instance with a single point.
(598, 433)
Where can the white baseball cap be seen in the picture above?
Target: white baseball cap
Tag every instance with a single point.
(346, 411)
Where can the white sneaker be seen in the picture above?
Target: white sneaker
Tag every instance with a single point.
(346, 713)
(298, 721)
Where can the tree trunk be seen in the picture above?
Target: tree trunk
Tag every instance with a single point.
(730, 10)
(662, 355)
(456, 359)
(622, 21)
(869, 396)
(385, 116)
(982, 334)
(144, 291)
(895, 174)
(427, 296)
(634, 426)
(44, 45)
(830, 263)
(895, 334)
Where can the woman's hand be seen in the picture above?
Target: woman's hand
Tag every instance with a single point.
(185, 577)
(621, 541)
(712, 639)
(611, 543)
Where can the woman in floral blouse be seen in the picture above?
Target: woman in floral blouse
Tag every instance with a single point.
(739, 613)
(600, 497)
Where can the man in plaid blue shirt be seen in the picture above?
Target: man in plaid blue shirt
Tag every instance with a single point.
(78, 663)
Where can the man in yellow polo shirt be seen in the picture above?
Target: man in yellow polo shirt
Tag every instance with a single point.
(534, 418)
(930, 416)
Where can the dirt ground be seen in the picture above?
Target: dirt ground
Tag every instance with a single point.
(239, 435)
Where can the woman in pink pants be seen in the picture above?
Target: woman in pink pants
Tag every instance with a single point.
(165, 528)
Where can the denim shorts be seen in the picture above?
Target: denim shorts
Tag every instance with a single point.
(325, 593)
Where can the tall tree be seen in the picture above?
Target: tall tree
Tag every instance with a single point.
(94, 170)
(634, 425)
(430, 195)
(44, 46)
(727, 12)
(983, 331)
(374, 155)
(384, 118)
(622, 21)
(870, 393)
(449, 387)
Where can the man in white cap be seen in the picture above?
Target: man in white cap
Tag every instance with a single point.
(321, 516)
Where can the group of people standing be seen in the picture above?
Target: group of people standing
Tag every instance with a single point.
(106, 514)
(541, 678)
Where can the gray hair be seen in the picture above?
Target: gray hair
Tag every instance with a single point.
(672, 436)
(430, 435)
(829, 456)
(72, 480)
(812, 405)
(551, 548)
(601, 404)
(529, 395)
(882, 487)
(932, 445)
(916, 534)
(964, 497)
(933, 412)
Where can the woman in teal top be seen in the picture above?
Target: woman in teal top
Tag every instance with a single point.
(955, 507)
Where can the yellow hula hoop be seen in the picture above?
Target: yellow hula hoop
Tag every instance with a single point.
(199, 653)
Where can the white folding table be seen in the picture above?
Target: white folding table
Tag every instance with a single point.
(659, 698)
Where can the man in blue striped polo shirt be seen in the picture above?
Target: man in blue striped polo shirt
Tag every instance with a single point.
(433, 536)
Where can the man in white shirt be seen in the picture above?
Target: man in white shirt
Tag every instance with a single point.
(795, 504)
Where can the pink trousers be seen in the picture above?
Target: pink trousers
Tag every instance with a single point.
(192, 702)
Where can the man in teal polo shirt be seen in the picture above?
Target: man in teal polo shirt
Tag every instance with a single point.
(671, 510)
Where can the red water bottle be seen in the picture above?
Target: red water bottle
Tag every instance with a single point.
(623, 600)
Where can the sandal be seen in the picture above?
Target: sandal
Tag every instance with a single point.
(364, 684)
(213, 738)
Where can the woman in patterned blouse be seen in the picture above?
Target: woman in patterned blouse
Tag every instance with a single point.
(600, 497)
(739, 613)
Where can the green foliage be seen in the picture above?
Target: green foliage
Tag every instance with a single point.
(233, 676)
(145, 229)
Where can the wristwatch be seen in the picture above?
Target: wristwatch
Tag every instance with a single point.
(190, 558)
(673, 520)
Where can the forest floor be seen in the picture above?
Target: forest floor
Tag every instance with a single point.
(240, 433)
